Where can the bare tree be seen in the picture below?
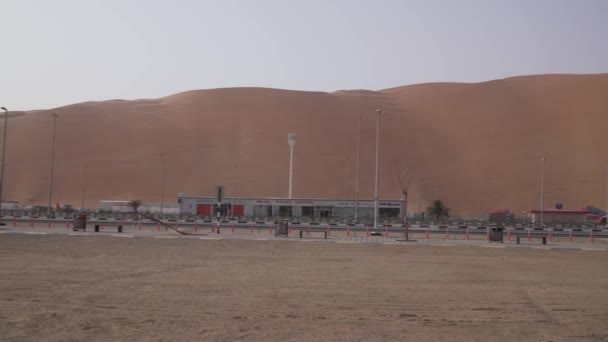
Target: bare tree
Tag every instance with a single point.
(135, 204)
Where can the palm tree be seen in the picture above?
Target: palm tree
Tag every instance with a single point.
(438, 210)
(135, 204)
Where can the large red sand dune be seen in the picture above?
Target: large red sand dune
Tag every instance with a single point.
(476, 146)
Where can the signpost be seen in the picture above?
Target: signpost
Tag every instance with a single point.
(220, 196)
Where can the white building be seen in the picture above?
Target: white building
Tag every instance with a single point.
(146, 207)
(283, 207)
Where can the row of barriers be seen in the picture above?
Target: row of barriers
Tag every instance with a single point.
(286, 229)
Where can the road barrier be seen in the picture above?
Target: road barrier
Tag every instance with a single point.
(450, 232)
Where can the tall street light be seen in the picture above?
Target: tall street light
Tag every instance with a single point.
(291, 139)
(542, 191)
(346, 185)
(162, 182)
(582, 183)
(378, 112)
(357, 170)
(3, 156)
(606, 190)
(233, 192)
(50, 208)
(84, 185)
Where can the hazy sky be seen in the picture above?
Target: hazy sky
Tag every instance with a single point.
(59, 52)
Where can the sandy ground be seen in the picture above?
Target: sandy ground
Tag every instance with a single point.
(101, 288)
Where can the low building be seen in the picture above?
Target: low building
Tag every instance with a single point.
(146, 207)
(284, 207)
(9, 205)
(560, 215)
(500, 216)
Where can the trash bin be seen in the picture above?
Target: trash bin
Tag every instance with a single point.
(280, 228)
(80, 222)
(496, 234)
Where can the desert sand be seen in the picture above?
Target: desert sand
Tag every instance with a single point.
(475, 146)
(68, 288)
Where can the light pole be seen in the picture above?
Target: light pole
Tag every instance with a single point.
(84, 185)
(542, 191)
(3, 156)
(357, 170)
(606, 190)
(346, 186)
(291, 139)
(378, 112)
(233, 191)
(50, 208)
(162, 183)
(582, 183)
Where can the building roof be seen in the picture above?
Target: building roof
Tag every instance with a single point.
(499, 212)
(560, 211)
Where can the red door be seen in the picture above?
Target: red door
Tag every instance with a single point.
(238, 210)
(203, 209)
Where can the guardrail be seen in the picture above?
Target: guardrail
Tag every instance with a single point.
(396, 231)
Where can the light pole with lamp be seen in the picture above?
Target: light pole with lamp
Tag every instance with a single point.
(542, 191)
(357, 170)
(84, 185)
(3, 156)
(346, 186)
(606, 192)
(378, 112)
(50, 208)
(233, 191)
(291, 139)
(582, 183)
(162, 183)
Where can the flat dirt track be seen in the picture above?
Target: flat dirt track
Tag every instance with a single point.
(84, 288)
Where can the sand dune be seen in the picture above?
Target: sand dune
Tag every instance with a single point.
(476, 146)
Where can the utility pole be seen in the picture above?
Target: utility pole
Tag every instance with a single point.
(162, 183)
(346, 188)
(84, 184)
(378, 112)
(606, 192)
(50, 208)
(357, 170)
(542, 191)
(291, 140)
(582, 183)
(3, 157)
(233, 191)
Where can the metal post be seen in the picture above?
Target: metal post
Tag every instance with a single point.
(50, 208)
(84, 184)
(582, 183)
(346, 185)
(233, 192)
(3, 157)
(606, 192)
(542, 191)
(377, 167)
(162, 183)
(291, 139)
(357, 171)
